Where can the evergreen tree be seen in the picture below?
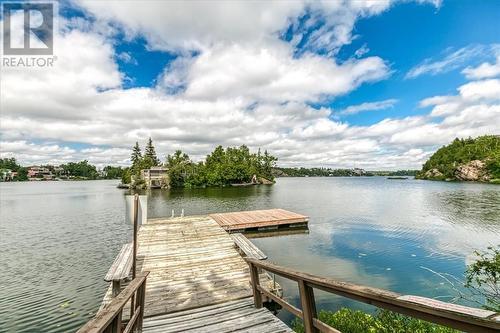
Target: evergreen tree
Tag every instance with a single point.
(136, 156)
(269, 162)
(150, 153)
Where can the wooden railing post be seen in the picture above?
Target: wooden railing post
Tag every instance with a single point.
(140, 300)
(109, 319)
(455, 316)
(116, 326)
(134, 251)
(254, 276)
(308, 306)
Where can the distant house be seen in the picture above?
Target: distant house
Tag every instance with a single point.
(358, 172)
(156, 177)
(39, 173)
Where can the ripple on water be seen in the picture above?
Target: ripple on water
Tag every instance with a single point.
(59, 238)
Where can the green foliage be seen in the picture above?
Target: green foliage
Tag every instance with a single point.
(237, 165)
(461, 151)
(80, 170)
(111, 172)
(222, 167)
(140, 162)
(350, 321)
(179, 166)
(12, 165)
(22, 174)
(321, 172)
(402, 173)
(9, 163)
(150, 154)
(483, 277)
(136, 156)
(126, 176)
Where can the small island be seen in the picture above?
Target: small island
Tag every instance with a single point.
(465, 160)
(231, 166)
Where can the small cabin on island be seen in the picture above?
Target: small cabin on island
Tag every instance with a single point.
(156, 177)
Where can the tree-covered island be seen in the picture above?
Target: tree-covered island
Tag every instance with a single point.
(222, 167)
(466, 160)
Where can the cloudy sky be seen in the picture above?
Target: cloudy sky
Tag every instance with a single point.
(370, 84)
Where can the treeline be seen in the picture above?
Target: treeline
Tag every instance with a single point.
(71, 170)
(222, 167)
(395, 173)
(329, 172)
(448, 158)
(12, 165)
(85, 170)
(317, 172)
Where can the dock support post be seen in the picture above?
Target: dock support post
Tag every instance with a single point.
(308, 306)
(257, 296)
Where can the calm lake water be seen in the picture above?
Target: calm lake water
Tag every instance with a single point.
(58, 239)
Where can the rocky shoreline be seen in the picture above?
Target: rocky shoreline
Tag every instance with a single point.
(474, 171)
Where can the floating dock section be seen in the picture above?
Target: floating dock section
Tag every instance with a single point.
(269, 219)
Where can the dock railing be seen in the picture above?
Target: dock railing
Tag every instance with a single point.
(447, 314)
(109, 319)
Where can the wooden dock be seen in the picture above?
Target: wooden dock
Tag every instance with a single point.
(192, 263)
(234, 316)
(191, 278)
(269, 219)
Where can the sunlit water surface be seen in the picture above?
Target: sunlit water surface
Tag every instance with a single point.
(58, 239)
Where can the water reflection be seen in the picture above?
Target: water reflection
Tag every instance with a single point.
(59, 238)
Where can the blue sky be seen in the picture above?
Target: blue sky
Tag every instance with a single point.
(341, 84)
(433, 33)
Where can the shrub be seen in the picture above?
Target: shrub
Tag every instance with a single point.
(483, 277)
(384, 321)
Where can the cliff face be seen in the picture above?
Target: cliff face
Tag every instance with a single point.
(473, 171)
(465, 160)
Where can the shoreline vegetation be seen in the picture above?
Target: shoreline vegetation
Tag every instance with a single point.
(222, 167)
(329, 172)
(11, 170)
(465, 160)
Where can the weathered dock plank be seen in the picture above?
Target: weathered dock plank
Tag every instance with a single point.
(233, 316)
(192, 263)
(120, 269)
(247, 247)
(259, 219)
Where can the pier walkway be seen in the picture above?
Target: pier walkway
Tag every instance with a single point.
(192, 262)
(193, 276)
(198, 281)
(233, 316)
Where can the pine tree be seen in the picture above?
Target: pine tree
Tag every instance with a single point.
(136, 156)
(150, 153)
